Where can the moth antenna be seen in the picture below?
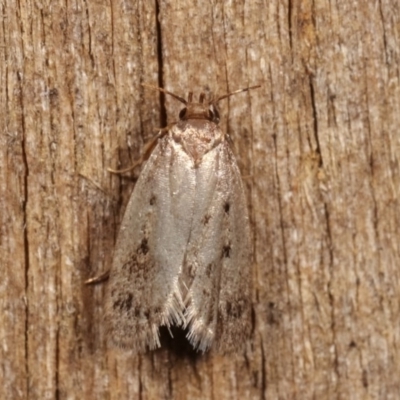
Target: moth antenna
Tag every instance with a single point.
(182, 100)
(235, 92)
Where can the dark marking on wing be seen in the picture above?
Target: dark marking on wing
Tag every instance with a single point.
(139, 259)
(144, 247)
(206, 219)
(226, 251)
(227, 207)
(124, 302)
(157, 310)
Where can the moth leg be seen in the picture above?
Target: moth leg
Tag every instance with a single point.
(148, 148)
(99, 278)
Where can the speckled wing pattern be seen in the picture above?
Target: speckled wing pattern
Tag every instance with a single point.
(218, 258)
(183, 255)
(143, 291)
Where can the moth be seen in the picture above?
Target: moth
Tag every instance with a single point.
(183, 254)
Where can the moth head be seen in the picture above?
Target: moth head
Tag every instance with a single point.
(203, 109)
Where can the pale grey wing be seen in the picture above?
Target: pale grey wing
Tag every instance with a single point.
(143, 290)
(218, 261)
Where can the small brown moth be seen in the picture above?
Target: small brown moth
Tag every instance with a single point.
(183, 253)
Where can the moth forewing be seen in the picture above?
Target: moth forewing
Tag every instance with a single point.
(182, 255)
(143, 289)
(218, 302)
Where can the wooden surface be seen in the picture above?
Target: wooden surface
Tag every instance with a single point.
(318, 145)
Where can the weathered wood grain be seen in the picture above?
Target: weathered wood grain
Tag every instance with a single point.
(319, 147)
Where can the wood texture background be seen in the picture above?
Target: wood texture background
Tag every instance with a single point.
(319, 146)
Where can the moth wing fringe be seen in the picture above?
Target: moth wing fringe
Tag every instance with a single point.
(200, 335)
(173, 314)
